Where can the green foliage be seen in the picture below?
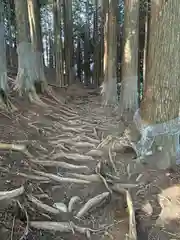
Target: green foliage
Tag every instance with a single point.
(45, 2)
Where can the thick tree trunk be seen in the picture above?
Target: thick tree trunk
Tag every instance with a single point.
(35, 25)
(36, 40)
(29, 69)
(110, 55)
(161, 97)
(129, 85)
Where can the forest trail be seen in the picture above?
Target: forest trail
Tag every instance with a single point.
(68, 154)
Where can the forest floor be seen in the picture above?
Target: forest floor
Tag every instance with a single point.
(78, 149)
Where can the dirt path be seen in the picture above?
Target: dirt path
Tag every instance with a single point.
(68, 154)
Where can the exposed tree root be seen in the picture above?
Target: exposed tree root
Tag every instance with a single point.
(51, 94)
(71, 129)
(13, 147)
(43, 206)
(61, 179)
(11, 194)
(92, 177)
(64, 227)
(33, 177)
(72, 156)
(92, 203)
(5, 103)
(60, 164)
(72, 203)
(77, 144)
(61, 206)
(35, 99)
(95, 153)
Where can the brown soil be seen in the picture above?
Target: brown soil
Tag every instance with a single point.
(155, 200)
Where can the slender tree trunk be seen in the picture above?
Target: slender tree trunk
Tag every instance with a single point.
(3, 66)
(68, 40)
(58, 42)
(79, 61)
(129, 86)
(96, 46)
(87, 47)
(51, 55)
(104, 5)
(161, 96)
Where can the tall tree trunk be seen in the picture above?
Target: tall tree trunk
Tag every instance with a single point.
(35, 25)
(3, 66)
(28, 66)
(87, 47)
(36, 39)
(58, 42)
(160, 105)
(103, 10)
(129, 85)
(68, 40)
(110, 54)
(96, 47)
(79, 61)
(51, 50)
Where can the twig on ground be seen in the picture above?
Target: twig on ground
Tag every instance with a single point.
(12, 230)
(24, 236)
(92, 203)
(98, 172)
(132, 221)
(11, 194)
(106, 141)
(111, 160)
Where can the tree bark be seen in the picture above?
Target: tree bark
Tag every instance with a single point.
(58, 43)
(110, 54)
(87, 47)
(161, 95)
(68, 40)
(3, 66)
(129, 85)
